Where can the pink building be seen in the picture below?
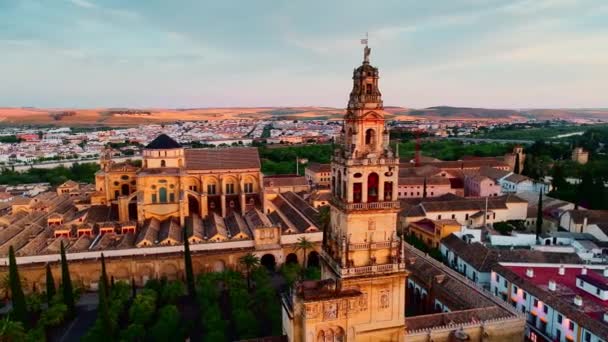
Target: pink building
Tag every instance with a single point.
(413, 187)
(481, 186)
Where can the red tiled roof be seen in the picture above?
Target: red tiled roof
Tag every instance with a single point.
(316, 167)
(284, 180)
(589, 315)
(222, 158)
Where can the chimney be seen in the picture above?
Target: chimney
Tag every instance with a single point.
(584, 270)
(529, 273)
(552, 285)
(578, 300)
(562, 270)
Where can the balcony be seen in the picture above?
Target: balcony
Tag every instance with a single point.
(363, 160)
(373, 245)
(345, 272)
(366, 206)
(372, 269)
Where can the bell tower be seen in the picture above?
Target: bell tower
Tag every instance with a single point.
(361, 250)
(364, 180)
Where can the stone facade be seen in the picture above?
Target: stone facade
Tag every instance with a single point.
(365, 267)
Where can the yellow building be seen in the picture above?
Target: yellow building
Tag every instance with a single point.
(175, 182)
(431, 232)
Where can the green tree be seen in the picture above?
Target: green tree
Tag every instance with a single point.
(188, 266)
(134, 332)
(66, 283)
(324, 221)
(103, 309)
(143, 308)
(539, 215)
(50, 285)
(424, 188)
(104, 275)
(11, 330)
(249, 261)
(304, 245)
(167, 327)
(558, 180)
(54, 315)
(104, 305)
(18, 298)
(246, 323)
(171, 291)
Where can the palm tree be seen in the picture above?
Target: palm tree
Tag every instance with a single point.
(11, 330)
(304, 245)
(250, 262)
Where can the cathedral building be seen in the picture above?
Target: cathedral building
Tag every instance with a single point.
(366, 267)
(175, 182)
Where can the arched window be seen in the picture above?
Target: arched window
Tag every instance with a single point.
(162, 195)
(370, 137)
(163, 163)
(388, 191)
(338, 189)
(125, 189)
(372, 187)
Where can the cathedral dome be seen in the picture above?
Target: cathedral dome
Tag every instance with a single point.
(163, 142)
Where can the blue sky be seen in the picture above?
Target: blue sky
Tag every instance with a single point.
(199, 53)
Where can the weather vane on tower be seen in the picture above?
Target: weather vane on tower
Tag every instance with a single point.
(366, 50)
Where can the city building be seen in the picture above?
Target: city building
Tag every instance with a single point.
(475, 260)
(562, 302)
(474, 212)
(431, 232)
(580, 156)
(594, 222)
(481, 186)
(318, 175)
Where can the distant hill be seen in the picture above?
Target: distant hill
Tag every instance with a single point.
(465, 113)
(137, 116)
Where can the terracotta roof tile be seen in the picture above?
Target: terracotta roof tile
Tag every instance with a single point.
(222, 158)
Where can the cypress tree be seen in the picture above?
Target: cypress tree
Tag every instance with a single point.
(424, 188)
(539, 215)
(188, 266)
(18, 298)
(516, 168)
(104, 310)
(104, 275)
(50, 284)
(66, 283)
(133, 288)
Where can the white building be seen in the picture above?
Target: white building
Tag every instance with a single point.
(563, 303)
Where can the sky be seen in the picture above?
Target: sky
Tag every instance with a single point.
(226, 53)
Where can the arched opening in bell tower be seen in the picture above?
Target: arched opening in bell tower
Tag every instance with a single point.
(357, 193)
(372, 187)
(370, 137)
(388, 191)
(338, 188)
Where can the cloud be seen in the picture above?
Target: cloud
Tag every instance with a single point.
(83, 3)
